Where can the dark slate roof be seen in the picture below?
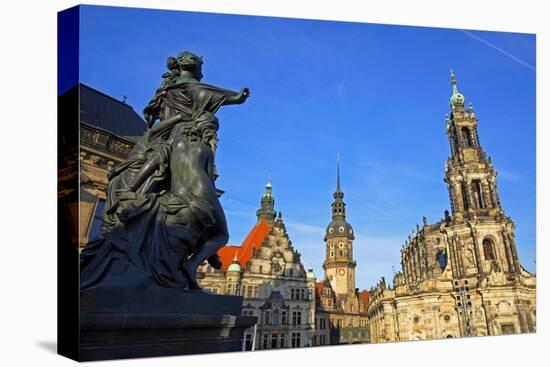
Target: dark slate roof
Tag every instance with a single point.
(103, 111)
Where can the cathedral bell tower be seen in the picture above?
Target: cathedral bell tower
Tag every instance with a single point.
(339, 266)
(267, 205)
(469, 173)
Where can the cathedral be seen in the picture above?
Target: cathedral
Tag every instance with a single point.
(267, 272)
(460, 276)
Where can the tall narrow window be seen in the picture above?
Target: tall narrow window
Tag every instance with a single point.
(275, 317)
(466, 137)
(478, 194)
(274, 340)
(296, 318)
(295, 340)
(488, 249)
(248, 342)
(465, 201)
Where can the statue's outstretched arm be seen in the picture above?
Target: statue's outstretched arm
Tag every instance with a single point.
(238, 98)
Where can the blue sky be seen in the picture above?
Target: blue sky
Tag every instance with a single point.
(375, 94)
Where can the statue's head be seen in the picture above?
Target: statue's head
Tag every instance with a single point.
(186, 61)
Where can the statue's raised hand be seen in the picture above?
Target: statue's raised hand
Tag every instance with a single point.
(238, 98)
(244, 94)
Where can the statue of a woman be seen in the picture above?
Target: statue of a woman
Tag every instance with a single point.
(180, 98)
(163, 217)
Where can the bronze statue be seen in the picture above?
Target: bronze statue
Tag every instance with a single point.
(163, 217)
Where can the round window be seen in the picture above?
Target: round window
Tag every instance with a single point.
(331, 230)
(341, 229)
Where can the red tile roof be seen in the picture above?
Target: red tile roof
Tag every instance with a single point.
(244, 252)
(364, 297)
(319, 286)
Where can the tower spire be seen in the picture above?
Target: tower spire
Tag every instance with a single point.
(457, 99)
(472, 187)
(338, 206)
(338, 173)
(453, 82)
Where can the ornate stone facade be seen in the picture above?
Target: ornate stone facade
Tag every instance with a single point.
(340, 305)
(267, 272)
(460, 276)
(100, 151)
(103, 120)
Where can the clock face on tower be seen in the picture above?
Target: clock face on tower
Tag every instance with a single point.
(342, 271)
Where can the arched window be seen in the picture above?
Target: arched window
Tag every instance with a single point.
(478, 194)
(488, 249)
(466, 137)
(441, 258)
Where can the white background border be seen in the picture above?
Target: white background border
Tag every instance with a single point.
(28, 180)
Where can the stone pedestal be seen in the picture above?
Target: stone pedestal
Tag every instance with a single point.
(130, 323)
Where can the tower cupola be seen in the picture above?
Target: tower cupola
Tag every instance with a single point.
(267, 204)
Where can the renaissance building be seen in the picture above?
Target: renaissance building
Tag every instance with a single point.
(340, 306)
(268, 273)
(461, 276)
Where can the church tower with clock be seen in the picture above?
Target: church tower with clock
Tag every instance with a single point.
(339, 265)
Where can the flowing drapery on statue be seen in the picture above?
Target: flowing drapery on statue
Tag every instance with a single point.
(162, 214)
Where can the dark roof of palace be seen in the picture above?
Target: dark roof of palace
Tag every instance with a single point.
(103, 111)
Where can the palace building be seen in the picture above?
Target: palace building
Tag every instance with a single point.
(339, 304)
(276, 288)
(461, 276)
(108, 130)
